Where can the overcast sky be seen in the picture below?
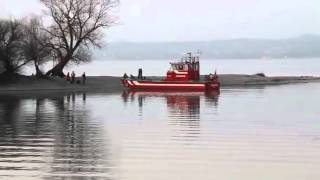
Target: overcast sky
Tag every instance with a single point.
(187, 20)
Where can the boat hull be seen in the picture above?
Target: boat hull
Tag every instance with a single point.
(170, 85)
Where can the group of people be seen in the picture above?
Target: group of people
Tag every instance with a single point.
(125, 76)
(72, 78)
(212, 76)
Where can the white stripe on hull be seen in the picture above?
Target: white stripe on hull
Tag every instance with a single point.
(177, 72)
(181, 76)
(129, 82)
(136, 83)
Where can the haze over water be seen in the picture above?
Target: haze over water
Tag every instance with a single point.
(243, 133)
(271, 67)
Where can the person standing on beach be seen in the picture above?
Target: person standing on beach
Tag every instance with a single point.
(84, 78)
(73, 77)
(140, 73)
(125, 76)
(67, 78)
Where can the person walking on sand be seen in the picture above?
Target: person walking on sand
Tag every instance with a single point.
(73, 77)
(84, 78)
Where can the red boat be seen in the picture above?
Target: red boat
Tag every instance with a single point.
(183, 75)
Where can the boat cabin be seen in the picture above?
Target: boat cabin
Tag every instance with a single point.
(188, 69)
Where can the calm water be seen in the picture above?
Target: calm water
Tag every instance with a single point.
(248, 134)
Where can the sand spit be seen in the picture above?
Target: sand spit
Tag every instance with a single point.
(112, 84)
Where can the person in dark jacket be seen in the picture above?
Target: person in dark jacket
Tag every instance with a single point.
(125, 76)
(84, 78)
(140, 74)
(67, 78)
(73, 77)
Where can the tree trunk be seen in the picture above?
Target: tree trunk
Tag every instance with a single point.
(57, 70)
(38, 71)
(9, 67)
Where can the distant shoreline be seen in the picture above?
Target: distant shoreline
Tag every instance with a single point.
(305, 46)
(112, 84)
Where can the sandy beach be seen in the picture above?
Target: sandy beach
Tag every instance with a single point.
(112, 84)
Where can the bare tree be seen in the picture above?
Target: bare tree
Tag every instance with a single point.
(77, 27)
(11, 40)
(36, 44)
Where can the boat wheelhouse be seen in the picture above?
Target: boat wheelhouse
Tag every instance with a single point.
(183, 75)
(188, 69)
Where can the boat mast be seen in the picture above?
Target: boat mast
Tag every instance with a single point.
(190, 56)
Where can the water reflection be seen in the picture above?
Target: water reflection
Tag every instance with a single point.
(182, 104)
(8, 112)
(176, 135)
(183, 109)
(51, 137)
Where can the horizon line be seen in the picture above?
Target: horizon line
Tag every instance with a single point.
(222, 39)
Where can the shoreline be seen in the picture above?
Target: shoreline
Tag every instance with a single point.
(112, 84)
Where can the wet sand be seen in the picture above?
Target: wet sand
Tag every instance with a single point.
(112, 84)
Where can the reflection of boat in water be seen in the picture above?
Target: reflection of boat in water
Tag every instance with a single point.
(160, 93)
(182, 102)
(183, 109)
(168, 94)
(183, 75)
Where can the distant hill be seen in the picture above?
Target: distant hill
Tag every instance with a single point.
(307, 46)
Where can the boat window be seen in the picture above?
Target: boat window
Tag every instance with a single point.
(173, 67)
(192, 67)
(186, 67)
